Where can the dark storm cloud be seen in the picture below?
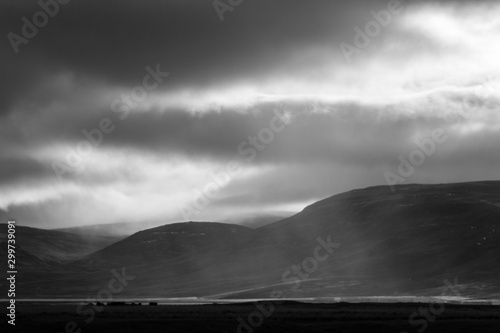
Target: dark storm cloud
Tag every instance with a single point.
(346, 134)
(115, 40)
(16, 169)
(65, 79)
(310, 135)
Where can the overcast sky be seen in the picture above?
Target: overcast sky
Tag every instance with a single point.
(344, 121)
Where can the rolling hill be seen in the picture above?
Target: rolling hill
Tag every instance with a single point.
(403, 242)
(57, 246)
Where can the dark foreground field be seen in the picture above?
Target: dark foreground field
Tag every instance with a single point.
(286, 317)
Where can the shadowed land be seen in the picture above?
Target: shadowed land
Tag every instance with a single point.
(286, 317)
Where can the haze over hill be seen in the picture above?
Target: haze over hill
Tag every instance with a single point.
(257, 219)
(59, 246)
(123, 229)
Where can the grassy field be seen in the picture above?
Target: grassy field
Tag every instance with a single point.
(246, 318)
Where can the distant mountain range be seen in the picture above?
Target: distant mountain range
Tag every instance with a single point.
(124, 229)
(366, 242)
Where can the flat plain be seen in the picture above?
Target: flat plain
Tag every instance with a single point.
(285, 317)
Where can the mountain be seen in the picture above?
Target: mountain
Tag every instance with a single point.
(122, 229)
(405, 241)
(57, 246)
(172, 241)
(163, 258)
(410, 241)
(43, 257)
(22, 258)
(257, 220)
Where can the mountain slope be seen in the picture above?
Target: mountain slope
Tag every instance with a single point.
(415, 237)
(58, 246)
(171, 241)
(257, 220)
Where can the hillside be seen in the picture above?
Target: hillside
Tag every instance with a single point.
(172, 241)
(58, 246)
(406, 242)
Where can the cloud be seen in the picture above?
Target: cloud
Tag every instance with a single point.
(347, 122)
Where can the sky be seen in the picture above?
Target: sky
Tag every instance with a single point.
(134, 111)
